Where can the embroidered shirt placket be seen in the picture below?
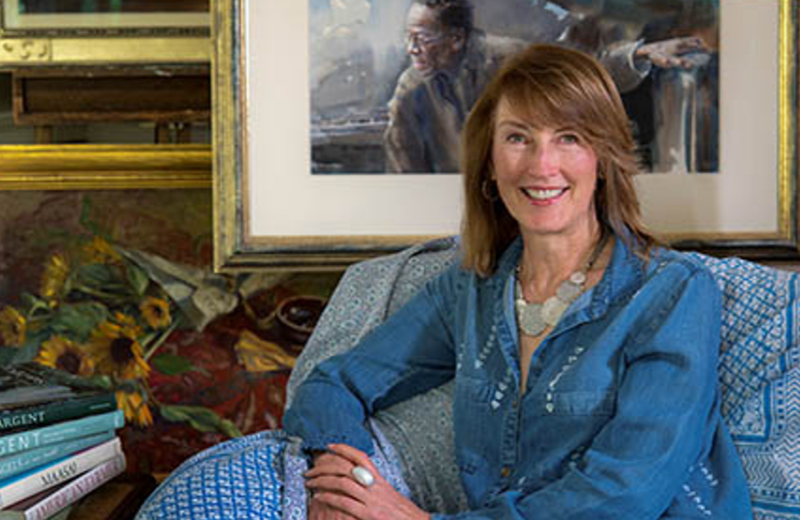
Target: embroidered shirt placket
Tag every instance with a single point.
(695, 497)
(712, 480)
(506, 341)
(551, 386)
(483, 355)
(501, 389)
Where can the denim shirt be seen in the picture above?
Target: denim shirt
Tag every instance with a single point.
(620, 416)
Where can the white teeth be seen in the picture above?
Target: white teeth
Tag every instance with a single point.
(542, 194)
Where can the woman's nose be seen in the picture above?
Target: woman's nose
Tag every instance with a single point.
(544, 159)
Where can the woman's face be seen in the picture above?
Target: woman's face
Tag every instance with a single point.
(545, 176)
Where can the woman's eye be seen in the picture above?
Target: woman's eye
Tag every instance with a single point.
(569, 139)
(515, 138)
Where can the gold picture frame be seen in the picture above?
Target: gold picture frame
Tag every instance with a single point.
(240, 119)
(95, 167)
(101, 38)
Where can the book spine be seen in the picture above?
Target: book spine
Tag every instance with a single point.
(76, 489)
(26, 440)
(25, 460)
(17, 488)
(64, 410)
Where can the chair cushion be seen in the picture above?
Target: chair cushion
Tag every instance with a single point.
(760, 379)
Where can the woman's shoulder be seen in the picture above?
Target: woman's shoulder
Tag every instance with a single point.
(459, 283)
(659, 277)
(676, 292)
(668, 270)
(665, 258)
(454, 279)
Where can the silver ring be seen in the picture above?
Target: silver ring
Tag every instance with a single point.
(363, 476)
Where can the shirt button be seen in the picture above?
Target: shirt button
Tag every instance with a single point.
(505, 472)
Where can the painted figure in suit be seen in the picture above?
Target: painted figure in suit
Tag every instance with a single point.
(451, 62)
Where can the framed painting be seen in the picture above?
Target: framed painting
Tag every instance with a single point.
(285, 193)
(76, 32)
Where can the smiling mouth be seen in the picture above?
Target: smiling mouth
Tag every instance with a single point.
(542, 195)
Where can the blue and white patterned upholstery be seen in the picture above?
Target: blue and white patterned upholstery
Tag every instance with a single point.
(257, 477)
(759, 375)
(241, 478)
(760, 379)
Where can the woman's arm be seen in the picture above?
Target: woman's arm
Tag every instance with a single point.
(410, 353)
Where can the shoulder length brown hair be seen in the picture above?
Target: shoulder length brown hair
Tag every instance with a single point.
(553, 86)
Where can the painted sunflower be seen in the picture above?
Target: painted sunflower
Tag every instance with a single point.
(134, 407)
(129, 322)
(156, 312)
(116, 350)
(62, 353)
(99, 251)
(13, 327)
(55, 276)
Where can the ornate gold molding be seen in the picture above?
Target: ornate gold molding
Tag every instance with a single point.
(25, 51)
(787, 116)
(74, 167)
(104, 50)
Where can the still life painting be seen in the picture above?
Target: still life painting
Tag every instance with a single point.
(116, 287)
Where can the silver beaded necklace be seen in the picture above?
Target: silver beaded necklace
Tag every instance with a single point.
(534, 318)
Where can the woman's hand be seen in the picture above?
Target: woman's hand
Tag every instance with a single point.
(320, 511)
(333, 486)
(325, 462)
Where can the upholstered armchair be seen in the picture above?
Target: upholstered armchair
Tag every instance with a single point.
(759, 374)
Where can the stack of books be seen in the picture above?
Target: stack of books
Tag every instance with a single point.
(58, 440)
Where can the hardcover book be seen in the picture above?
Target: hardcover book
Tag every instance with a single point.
(47, 503)
(24, 416)
(27, 384)
(29, 459)
(27, 484)
(18, 441)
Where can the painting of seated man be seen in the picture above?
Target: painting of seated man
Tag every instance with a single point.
(392, 81)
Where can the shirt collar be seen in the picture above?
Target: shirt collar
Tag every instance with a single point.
(623, 275)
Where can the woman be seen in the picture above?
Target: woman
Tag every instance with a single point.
(601, 402)
(584, 355)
